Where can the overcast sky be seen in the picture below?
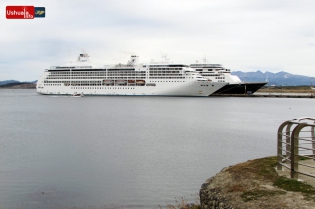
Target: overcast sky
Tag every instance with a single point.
(243, 35)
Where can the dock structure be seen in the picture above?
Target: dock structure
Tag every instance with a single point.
(275, 95)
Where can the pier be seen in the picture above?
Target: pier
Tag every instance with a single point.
(275, 91)
(261, 94)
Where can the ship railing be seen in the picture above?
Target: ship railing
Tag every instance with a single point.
(296, 147)
(71, 67)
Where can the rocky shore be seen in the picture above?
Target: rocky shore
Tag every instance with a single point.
(255, 184)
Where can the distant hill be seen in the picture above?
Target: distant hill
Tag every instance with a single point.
(277, 79)
(18, 84)
(8, 81)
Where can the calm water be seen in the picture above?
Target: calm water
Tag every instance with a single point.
(128, 152)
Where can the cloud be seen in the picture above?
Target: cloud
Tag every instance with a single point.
(242, 34)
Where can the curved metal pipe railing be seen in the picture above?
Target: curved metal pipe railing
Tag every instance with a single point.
(296, 137)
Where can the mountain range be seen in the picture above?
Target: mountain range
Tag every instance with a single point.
(9, 83)
(278, 79)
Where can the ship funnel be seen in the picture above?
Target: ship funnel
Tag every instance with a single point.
(134, 60)
(83, 57)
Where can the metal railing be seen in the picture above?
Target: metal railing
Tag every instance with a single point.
(296, 147)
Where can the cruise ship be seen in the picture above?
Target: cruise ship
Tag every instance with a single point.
(217, 73)
(133, 78)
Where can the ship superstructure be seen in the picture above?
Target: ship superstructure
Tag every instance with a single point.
(218, 73)
(133, 78)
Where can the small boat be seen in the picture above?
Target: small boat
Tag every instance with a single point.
(77, 95)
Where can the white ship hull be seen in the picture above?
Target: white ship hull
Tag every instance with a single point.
(196, 88)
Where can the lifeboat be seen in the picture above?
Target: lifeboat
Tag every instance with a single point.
(121, 82)
(108, 82)
(140, 82)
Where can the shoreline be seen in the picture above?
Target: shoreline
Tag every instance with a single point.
(19, 86)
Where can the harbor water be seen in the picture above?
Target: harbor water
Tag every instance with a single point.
(128, 152)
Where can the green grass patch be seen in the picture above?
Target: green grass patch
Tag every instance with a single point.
(294, 185)
(265, 167)
(255, 194)
(262, 168)
(303, 158)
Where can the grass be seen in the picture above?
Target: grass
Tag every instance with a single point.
(264, 168)
(183, 203)
(303, 158)
(257, 169)
(294, 185)
(261, 168)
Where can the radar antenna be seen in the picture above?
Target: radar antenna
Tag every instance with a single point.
(165, 56)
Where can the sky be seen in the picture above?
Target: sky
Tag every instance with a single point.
(242, 35)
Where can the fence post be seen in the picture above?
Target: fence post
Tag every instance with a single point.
(288, 141)
(313, 143)
(279, 147)
(295, 150)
